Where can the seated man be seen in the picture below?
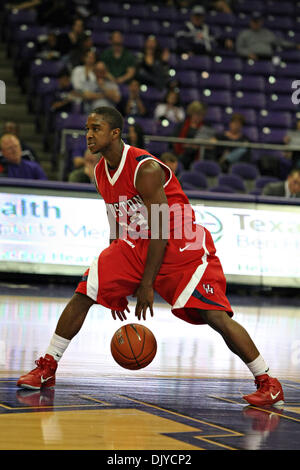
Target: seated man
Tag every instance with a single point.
(85, 174)
(12, 165)
(288, 188)
(258, 42)
(106, 92)
(119, 61)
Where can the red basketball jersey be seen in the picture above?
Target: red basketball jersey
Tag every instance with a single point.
(125, 204)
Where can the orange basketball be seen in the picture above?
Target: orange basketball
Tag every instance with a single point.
(133, 346)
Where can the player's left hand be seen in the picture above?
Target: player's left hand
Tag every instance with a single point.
(120, 314)
(144, 299)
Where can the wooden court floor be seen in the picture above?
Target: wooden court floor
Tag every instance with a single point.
(188, 398)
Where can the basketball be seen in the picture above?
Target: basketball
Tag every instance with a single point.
(133, 346)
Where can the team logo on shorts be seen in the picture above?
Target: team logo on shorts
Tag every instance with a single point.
(208, 288)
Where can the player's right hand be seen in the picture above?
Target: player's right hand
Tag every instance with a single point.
(120, 314)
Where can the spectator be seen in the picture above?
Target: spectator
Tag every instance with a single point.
(171, 160)
(12, 165)
(134, 105)
(85, 174)
(11, 127)
(192, 127)
(257, 42)
(288, 188)
(229, 155)
(65, 94)
(48, 47)
(106, 91)
(135, 136)
(152, 65)
(71, 43)
(196, 38)
(83, 77)
(293, 138)
(170, 109)
(119, 61)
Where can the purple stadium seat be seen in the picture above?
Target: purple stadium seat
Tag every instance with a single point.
(112, 24)
(279, 22)
(280, 85)
(167, 42)
(70, 121)
(249, 83)
(147, 124)
(272, 136)
(188, 95)
(207, 167)
(134, 41)
(215, 97)
(197, 63)
(279, 8)
(187, 78)
(214, 81)
(249, 6)
(248, 172)
(165, 129)
(219, 18)
(168, 28)
(245, 170)
(157, 148)
(133, 10)
(46, 68)
(290, 70)
(110, 9)
(141, 26)
(226, 64)
(214, 114)
(17, 17)
(260, 67)
(151, 94)
(275, 119)
(29, 32)
(290, 55)
(234, 182)
(279, 102)
(101, 38)
(252, 133)
(163, 13)
(221, 189)
(249, 100)
(196, 179)
(261, 181)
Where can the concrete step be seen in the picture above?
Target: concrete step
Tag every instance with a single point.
(15, 112)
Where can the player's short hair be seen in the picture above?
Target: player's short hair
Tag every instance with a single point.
(294, 171)
(112, 116)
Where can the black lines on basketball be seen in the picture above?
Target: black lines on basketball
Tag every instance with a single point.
(133, 346)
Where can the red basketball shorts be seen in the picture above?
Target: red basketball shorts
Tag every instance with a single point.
(189, 279)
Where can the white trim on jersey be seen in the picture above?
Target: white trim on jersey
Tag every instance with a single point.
(160, 163)
(92, 281)
(116, 175)
(194, 281)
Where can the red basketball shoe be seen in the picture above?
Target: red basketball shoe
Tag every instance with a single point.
(42, 376)
(269, 392)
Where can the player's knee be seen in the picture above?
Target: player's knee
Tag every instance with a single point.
(217, 319)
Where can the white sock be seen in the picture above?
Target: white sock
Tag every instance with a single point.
(57, 346)
(258, 366)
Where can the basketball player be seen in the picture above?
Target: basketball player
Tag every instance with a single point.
(141, 258)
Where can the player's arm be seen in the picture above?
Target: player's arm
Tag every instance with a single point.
(149, 184)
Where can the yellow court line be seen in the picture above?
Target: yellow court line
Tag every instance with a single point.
(51, 407)
(95, 399)
(257, 408)
(236, 433)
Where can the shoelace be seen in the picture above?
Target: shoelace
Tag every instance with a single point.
(41, 362)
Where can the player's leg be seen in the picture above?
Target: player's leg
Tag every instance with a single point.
(269, 390)
(69, 324)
